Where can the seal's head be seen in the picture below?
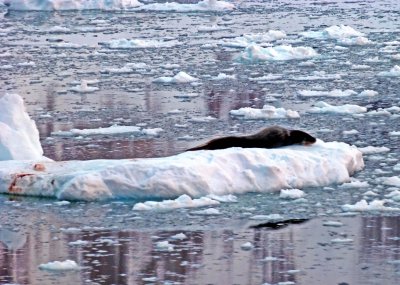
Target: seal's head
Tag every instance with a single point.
(300, 137)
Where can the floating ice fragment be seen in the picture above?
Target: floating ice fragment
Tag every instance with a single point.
(368, 93)
(356, 41)
(391, 181)
(224, 198)
(332, 224)
(373, 149)
(223, 76)
(333, 32)
(363, 205)
(60, 265)
(164, 246)
(325, 108)
(247, 246)
(270, 258)
(267, 217)
(248, 39)
(84, 87)
(354, 184)
(333, 93)
(350, 132)
(342, 240)
(255, 53)
(202, 119)
(183, 201)
(140, 43)
(79, 242)
(394, 72)
(181, 77)
(291, 194)
(267, 112)
(180, 236)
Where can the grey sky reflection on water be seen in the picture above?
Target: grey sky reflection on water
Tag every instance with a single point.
(304, 254)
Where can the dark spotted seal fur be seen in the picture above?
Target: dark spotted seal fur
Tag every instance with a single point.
(270, 137)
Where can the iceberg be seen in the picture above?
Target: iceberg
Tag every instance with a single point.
(19, 137)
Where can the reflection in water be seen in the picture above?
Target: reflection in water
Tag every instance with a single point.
(206, 257)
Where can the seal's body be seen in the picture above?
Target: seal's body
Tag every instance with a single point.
(270, 137)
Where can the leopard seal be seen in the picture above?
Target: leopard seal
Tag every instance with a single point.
(270, 137)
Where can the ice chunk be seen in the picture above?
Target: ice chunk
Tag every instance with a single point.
(333, 93)
(60, 265)
(356, 41)
(255, 53)
(183, 201)
(322, 107)
(394, 72)
(363, 205)
(181, 77)
(291, 194)
(267, 112)
(139, 43)
(373, 149)
(333, 32)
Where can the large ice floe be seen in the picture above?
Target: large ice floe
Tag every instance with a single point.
(255, 53)
(196, 173)
(49, 5)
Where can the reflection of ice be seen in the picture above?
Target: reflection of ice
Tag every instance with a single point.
(13, 240)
